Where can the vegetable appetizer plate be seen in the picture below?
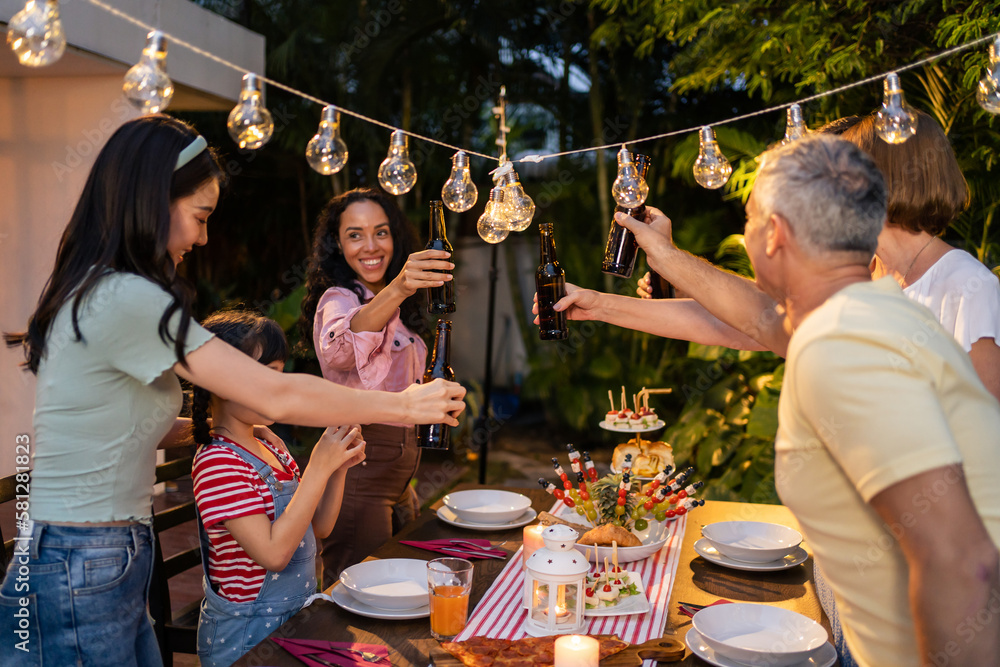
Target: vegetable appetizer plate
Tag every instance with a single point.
(346, 601)
(633, 604)
(608, 426)
(824, 657)
(445, 514)
(705, 549)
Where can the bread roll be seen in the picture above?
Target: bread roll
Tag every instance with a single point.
(618, 458)
(603, 536)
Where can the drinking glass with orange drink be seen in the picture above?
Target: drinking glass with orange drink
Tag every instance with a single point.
(449, 581)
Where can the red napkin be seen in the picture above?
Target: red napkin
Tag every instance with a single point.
(303, 647)
(467, 551)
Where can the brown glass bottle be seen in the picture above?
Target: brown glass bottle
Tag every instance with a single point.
(621, 249)
(550, 284)
(436, 436)
(441, 299)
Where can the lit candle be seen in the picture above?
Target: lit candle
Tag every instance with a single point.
(577, 651)
(532, 541)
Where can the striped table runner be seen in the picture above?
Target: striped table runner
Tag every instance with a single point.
(500, 614)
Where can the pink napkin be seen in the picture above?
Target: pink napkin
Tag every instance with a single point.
(445, 546)
(303, 647)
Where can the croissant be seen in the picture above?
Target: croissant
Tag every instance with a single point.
(603, 536)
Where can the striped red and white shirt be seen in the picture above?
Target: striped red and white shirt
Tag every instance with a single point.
(227, 487)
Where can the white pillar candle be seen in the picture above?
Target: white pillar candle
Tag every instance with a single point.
(532, 541)
(577, 651)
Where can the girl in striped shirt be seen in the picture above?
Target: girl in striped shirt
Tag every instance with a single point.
(259, 516)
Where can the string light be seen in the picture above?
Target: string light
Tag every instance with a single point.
(988, 93)
(147, 86)
(795, 127)
(492, 227)
(516, 206)
(629, 189)
(35, 34)
(250, 124)
(397, 173)
(44, 46)
(895, 122)
(326, 152)
(459, 192)
(711, 169)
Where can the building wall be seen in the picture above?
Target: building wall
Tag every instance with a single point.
(50, 132)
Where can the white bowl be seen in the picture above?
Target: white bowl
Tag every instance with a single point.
(752, 541)
(759, 634)
(653, 538)
(487, 505)
(389, 583)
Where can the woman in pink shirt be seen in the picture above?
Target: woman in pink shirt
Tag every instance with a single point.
(362, 310)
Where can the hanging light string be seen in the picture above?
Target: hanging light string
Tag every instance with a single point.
(538, 158)
(277, 84)
(780, 107)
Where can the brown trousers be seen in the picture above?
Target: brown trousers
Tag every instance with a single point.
(378, 498)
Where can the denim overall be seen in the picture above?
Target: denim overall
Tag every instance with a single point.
(229, 629)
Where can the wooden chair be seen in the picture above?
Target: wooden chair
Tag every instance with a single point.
(176, 633)
(8, 490)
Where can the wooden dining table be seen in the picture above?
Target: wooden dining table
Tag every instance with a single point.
(698, 581)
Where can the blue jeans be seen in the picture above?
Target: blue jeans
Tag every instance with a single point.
(76, 595)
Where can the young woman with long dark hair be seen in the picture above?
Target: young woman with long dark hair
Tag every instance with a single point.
(110, 336)
(362, 313)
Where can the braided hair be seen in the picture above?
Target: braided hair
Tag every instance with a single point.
(249, 332)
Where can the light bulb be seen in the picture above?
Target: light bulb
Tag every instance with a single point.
(895, 122)
(988, 94)
(459, 192)
(326, 152)
(629, 189)
(491, 226)
(711, 169)
(147, 86)
(250, 124)
(516, 208)
(35, 34)
(795, 127)
(397, 173)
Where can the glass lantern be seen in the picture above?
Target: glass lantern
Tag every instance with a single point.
(555, 580)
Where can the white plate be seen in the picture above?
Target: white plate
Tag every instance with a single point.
(705, 549)
(752, 541)
(632, 429)
(760, 634)
(633, 604)
(824, 657)
(492, 506)
(344, 600)
(446, 515)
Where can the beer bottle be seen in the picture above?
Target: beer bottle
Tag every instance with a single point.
(621, 249)
(440, 299)
(550, 284)
(436, 436)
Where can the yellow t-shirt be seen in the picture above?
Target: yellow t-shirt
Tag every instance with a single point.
(875, 392)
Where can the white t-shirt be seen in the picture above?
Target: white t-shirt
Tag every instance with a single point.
(875, 392)
(963, 294)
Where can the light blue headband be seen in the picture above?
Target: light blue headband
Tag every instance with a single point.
(197, 145)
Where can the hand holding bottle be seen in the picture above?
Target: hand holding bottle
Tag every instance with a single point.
(643, 289)
(654, 236)
(437, 402)
(578, 304)
(423, 270)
